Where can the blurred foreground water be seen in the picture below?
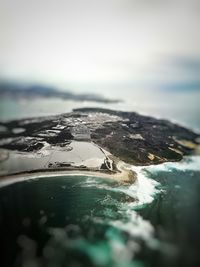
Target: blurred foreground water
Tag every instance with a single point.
(90, 221)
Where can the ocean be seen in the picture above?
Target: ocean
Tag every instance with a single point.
(91, 221)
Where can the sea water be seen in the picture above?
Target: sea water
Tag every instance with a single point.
(74, 221)
(92, 221)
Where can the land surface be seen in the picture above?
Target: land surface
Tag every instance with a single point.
(90, 139)
(24, 91)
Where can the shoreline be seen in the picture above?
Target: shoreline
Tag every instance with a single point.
(123, 175)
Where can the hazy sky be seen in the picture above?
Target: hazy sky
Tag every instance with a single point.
(81, 42)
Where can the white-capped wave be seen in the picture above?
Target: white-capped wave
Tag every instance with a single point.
(189, 163)
(142, 190)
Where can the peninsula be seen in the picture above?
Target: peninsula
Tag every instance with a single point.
(90, 140)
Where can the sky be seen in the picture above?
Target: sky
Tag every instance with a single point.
(89, 44)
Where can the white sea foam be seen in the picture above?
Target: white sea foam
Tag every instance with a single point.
(128, 220)
(142, 190)
(136, 228)
(189, 163)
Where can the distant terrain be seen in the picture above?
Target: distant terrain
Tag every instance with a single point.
(20, 90)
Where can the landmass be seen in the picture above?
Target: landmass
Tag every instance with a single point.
(91, 140)
(29, 91)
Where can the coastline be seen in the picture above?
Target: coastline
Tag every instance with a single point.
(91, 142)
(122, 175)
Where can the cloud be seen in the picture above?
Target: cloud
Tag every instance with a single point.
(108, 41)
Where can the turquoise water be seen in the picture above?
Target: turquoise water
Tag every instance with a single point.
(90, 221)
(72, 221)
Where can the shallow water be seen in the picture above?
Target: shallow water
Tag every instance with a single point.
(90, 221)
(73, 154)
